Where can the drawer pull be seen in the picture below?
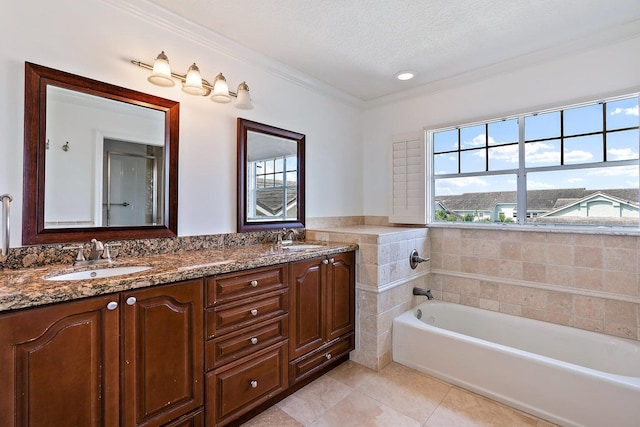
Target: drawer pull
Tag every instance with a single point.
(325, 261)
(131, 300)
(254, 312)
(254, 283)
(331, 260)
(254, 340)
(254, 384)
(112, 305)
(328, 356)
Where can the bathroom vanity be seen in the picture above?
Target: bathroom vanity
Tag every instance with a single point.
(204, 338)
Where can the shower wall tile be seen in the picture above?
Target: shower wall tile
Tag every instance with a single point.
(585, 281)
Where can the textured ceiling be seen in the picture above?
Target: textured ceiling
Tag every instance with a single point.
(357, 46)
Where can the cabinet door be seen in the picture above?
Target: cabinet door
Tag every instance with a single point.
(59, 365)
(163, 353)
(340, 315)
(307, 301)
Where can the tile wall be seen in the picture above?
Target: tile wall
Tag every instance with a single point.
(588, 281)
(384, 281)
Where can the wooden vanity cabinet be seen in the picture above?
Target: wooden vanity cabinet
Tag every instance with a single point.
(162, 366)
(133, 358)
(246, 351)
(322, 315)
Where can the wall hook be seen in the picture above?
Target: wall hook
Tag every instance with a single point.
(66, 147)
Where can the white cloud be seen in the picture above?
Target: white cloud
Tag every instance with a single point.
(478, 141)
(574, 180)
(633, 111)
(621, 154)
(578, 156)
(539, 185)
(619, 171)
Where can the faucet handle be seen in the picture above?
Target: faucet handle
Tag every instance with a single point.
(107, 254)
(80, 254)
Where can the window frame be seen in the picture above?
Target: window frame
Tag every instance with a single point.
(522, 170)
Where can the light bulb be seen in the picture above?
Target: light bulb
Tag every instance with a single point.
(161, 74)
(220, 90)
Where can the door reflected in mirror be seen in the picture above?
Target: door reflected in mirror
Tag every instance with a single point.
(270, 177)
(102, 162)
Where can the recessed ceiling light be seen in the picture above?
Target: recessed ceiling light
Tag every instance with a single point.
(405, 75)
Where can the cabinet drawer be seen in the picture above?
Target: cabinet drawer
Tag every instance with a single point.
(232, 316)
(240, 386)
(318, 359)
(234, 286)
(242, 343)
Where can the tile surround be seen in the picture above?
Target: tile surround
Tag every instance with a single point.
(384, 281)
(586, 281)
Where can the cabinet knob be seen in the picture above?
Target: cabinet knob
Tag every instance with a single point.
(328, 356)
(331, 260)
(112, 305)
(254, 340)
(254, 384)
(325, 261)
(254, 312)
(131, 300)
(254, 283)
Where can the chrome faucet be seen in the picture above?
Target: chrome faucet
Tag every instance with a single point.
(97, 248)
(99, 253)
(286, 236)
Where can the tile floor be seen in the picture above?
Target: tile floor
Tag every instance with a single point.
(396, 396)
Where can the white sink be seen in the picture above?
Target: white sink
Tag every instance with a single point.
(301, 247)
(99, 273)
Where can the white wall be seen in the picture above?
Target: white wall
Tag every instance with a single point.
(97, 39)
(606, 70)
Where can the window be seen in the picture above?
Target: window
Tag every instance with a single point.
(273, 189)
(572, 166)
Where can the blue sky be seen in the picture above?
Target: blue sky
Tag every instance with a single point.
(503, 150)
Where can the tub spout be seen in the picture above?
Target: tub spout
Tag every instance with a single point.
(423, 292)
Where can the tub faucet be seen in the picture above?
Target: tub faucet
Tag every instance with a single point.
(423, 292)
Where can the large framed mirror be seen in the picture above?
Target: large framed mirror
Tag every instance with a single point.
(270, 177)
(100, 161)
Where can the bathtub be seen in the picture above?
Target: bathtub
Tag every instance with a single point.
(565, 375)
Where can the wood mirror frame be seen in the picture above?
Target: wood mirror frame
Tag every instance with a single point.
(37, 78)
(243, 223)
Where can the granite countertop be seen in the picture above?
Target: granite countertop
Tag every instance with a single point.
(27, 287)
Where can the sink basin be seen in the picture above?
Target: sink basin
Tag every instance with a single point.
(99, 273)
(301, 247)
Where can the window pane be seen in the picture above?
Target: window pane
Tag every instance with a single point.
(503, 132)
(445, 163)
(445, 141)
(279, 165)
(543, 153)
(292, 178)
(597, 196)
(292, 163)
(622, 114)
(622, 145)
(472, 137)
(583, 149)
(503, 157)
(278, 179)
(583, 120)
(479, 198)
(473, 160)
(542, 126)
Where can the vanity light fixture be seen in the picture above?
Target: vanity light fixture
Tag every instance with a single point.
(194, 84)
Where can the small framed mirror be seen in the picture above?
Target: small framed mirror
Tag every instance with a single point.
(270, 177)
(100, 161)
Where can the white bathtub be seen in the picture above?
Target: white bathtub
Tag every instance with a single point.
(565, 375)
